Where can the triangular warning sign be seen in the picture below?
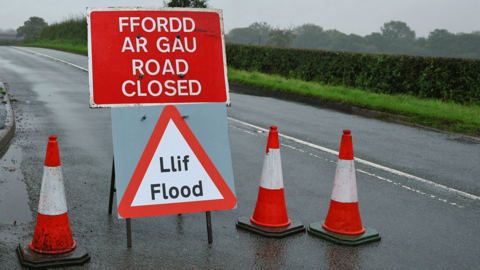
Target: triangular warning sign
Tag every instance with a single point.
(174, 174)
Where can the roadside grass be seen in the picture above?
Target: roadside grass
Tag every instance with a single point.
(438, 114)
(66, 45)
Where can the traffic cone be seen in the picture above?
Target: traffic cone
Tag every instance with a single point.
(270, 217)
(53, 243)
(343, 224)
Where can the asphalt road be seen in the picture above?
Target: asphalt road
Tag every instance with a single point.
(419, 189)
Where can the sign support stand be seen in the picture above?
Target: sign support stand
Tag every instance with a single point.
(110, 203)
(129, 232)
(112, 188)
(209, 227)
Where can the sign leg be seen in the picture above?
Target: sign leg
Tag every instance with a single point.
(112, 188)
(209, 227)
(129, 233)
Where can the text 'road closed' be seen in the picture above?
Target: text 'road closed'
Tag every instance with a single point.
(157, 57)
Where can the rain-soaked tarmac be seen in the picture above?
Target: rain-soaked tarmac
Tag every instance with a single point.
(423, 226)
(13, 192)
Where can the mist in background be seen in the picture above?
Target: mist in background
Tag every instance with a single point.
(8, 31)
(394, 37)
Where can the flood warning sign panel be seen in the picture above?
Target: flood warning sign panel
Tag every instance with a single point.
(174, 174)
(146, 56)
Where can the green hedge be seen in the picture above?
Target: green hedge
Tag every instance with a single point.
(8, 42)
(449, 79)
(73, 29)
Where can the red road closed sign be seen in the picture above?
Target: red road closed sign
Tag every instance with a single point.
(140, 56)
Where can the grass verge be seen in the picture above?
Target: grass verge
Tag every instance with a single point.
(446, 116)
(60, 44)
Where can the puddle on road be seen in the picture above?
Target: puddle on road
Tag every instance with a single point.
(14, 207)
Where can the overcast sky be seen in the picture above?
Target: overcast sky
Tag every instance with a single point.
(348, 16)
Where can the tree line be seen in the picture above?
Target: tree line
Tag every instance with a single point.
(395, 37)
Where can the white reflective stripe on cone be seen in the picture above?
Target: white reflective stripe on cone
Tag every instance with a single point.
(345, 185)
(272, 170)
(52, 195)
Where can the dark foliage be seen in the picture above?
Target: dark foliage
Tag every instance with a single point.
(7, 42)
(187, 3)
(31, 26)
(73, 29)
(280, 37)
(450, 79)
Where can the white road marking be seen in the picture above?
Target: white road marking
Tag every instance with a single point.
(358, 170)
(368, 163)
(324, 149)
(53, 58)
(409, 188)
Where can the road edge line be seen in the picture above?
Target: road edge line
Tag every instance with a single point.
(53, 58)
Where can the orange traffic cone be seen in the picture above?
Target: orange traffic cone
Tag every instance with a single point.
(270, 217)
(53, 243)
(343, 224)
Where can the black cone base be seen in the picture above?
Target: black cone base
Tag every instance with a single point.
(296, 226)
(32, 259)
(370, 235)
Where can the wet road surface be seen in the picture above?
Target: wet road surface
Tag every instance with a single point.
(427, 224)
